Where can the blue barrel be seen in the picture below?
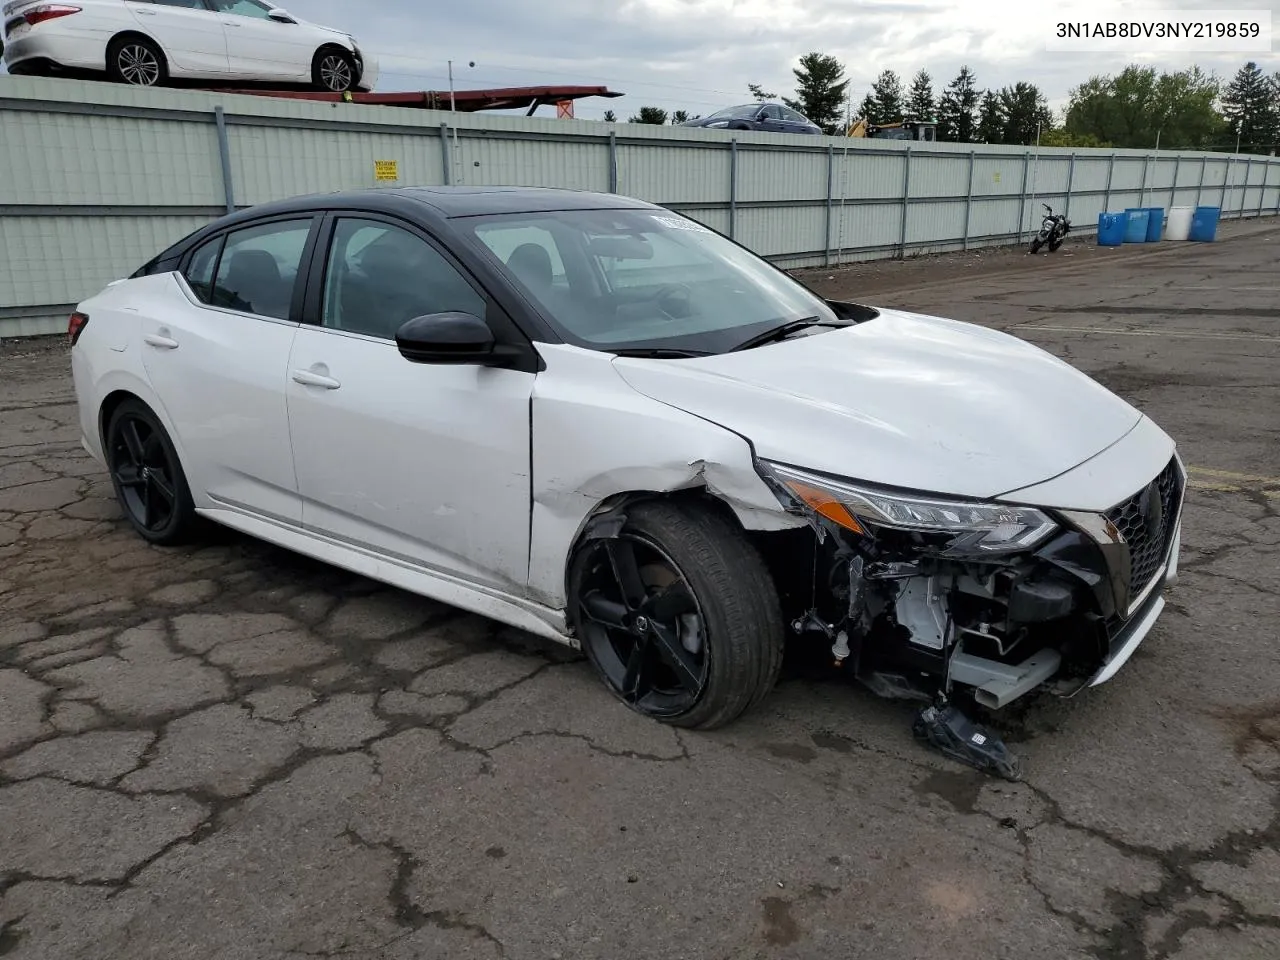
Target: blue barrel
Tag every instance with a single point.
(1204, 224)
(1155, 224)
(1110, 229)
(1135, 224)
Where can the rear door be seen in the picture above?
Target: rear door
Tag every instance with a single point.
(259, 48)
(219, 367)
(190, 33)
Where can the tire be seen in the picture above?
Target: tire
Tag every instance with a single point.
(137, 61)
(1035, 245)
(688, 562)
(1055, 243)
(334, 70)
(148, 478)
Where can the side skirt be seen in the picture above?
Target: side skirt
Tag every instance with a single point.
(517, 612)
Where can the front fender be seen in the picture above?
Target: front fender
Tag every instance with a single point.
(596, 439)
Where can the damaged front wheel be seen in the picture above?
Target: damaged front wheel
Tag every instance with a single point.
(678, 614)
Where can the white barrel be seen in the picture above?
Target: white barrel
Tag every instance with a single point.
(1179, 225)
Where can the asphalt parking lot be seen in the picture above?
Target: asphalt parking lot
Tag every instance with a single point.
(228, 751)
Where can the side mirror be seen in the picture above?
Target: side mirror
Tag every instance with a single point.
(280, 16)
(446, 338)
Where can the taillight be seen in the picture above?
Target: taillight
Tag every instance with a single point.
(48, 11)
(75, 326)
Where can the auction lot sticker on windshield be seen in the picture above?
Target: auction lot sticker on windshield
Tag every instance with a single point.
(678, 224)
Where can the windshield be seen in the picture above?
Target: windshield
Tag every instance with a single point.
(735, 113)
(643, 279)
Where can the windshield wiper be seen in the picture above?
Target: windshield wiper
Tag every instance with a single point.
(659, 353)
(784, 331)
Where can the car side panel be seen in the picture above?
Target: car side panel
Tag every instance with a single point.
(77, 42)
(594, 438)
(267, 50)
(194, 41)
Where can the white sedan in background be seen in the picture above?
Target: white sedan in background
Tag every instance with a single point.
(149, 42)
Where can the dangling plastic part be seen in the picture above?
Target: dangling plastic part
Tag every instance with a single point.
(840, 649)
(945, 728)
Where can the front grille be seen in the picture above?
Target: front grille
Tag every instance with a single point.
(1146, 521)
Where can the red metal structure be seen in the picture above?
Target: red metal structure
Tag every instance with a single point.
(466, 101)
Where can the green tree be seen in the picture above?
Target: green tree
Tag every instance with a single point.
(958, 109)
(757, 92)
(610, 117)
(1138, 106)
(653, 115)
(920, 102)
(887, 93)
(1026, 112)
(821, 91)
(991, 119)
(869, 109)
(679, 116)
(1061, 137)
(1249, 105)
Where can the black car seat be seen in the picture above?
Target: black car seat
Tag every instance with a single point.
(255, 285)
(531, 263)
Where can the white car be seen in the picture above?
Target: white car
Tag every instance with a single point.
(149, 42)
(599, 421)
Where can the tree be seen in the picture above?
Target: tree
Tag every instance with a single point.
(1138, 106)
(958, 109)
(678, 117)
(990, 119)
(1249, 104)
(1026, 113)
(820, 90)
(1061, 137)
(654, 115)
(920, 103)
(757, 92)
(887, 94)
(610, 117)
(869, 109)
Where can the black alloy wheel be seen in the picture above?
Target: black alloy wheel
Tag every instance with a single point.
(148, 479)
(678, 615)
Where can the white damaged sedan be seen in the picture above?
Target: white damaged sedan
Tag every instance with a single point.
(599, 421)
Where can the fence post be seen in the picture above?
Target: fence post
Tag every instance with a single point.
(613, 162)
(831, 172)
(1142, 192)
(224, 157)
(1022, 194)
(1071, 176)
(733, 186)
(444, 154)
(1173, 190)
(1262, 191)
(1226, 176)
(968, 200)
(906, 203)
(1244, 193)
(1111, 171)
(1204, 168)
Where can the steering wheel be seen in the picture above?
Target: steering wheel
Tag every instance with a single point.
(680, 293)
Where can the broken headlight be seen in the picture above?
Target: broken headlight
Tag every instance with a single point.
(959, 526)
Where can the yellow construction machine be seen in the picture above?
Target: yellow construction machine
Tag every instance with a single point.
(902, 130)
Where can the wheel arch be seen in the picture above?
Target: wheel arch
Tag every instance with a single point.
(127, 388)
(131, 33)
(336, 45)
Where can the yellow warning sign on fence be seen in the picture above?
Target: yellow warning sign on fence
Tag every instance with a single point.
(386, 169)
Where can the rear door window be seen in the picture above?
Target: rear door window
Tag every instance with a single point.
(199, 272)
(258, 269)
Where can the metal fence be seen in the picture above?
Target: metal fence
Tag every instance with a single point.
(98, 178)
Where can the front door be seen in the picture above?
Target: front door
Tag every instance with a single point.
(219, 367)
(260, 48)
(427, 464)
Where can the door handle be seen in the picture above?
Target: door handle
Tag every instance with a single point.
(309, 379)
(145, 13)
(163, 343)
(229, 23)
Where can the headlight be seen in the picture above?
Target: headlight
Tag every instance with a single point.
(974, 527)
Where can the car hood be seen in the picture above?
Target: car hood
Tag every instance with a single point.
(903, 400)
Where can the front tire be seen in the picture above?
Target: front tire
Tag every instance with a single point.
(147, 476)
(137, 61)
(1055, 243)
(334, 71)
(679, 615)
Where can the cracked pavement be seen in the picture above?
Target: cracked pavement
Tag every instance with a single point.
(229, 751)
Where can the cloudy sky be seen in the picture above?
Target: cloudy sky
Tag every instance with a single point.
(699, 55)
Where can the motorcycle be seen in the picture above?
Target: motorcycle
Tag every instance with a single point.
(1053, 230)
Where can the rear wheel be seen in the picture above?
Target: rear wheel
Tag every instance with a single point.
(678, 615)
(334, 70)
(1055, 243)
(1035, 245)
(148, 479)
(137, 61)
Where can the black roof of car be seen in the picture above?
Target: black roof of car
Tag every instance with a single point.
(455, 201)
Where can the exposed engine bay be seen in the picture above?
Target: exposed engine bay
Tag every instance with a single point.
(919, 615)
